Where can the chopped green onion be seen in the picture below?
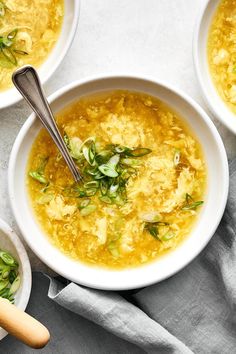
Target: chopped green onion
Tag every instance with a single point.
(168, 236)
(190, 203)
(193, 205)
(108, 170)
(114, 160)
(91, 184)
(12, 34)
(7, 258)
(3, 284)
(44, 199)
(151, 217)
(38, 177)
(88, 210)
(84, 203)
(9, 277)
(138, 152)
(105, 199)
(113, 250)
(15, 285)
(153, 230)
(113, 188)
(103, 187)
(21, 52)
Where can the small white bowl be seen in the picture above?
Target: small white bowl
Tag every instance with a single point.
(215, 198)
(49, 66)
(210, 94)
(10, 242)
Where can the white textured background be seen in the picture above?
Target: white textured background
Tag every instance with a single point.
(150, 37)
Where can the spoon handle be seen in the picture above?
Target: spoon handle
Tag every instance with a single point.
(28, 84)
(22, 326)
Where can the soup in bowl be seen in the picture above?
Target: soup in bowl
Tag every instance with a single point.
(214, 58)
(143, 208)
(36, 32)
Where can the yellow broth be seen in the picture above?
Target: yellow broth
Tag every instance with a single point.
(221, 52)
(116, 235)
(28, 29)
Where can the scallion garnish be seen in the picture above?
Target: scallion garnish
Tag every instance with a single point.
(38, 175)
(105, 171)
(153, 229)
(9, 277)
(190, 203)
(7, 47)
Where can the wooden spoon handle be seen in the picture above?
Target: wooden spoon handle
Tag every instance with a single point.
(22, 326)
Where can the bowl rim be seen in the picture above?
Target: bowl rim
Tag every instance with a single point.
(178, 92)
(197, 67)
(16, 97)
(26, 267)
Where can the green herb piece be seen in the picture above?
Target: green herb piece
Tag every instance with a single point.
(9, 278)
(113, 249)
(88, 210)
(66, 140)
(109, 169)
(152, 229)
(90, 192)
(21, 52)
(168, 236)
(8, 54)
(7, 46)
(138, 152)
(103, 187)
(150, 217)
(15, 285)
(113, 188)
(176, 157)
(45, 188)
(130, 162)
(105, 199)
(234, 69)
(44, 199)
(91, 184)
(12, 276)
(7, 258)
(3, 284)
(38, 177)
(190, 203)
(84, 203)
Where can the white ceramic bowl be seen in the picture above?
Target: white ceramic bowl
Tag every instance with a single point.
(46, 70)
(10, 242)
(162, 268)
(210, 94)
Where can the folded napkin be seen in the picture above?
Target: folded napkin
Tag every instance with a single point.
(192, 312)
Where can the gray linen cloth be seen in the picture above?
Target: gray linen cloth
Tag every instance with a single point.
(192, 312)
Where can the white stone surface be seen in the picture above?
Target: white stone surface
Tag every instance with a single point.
(148, 37)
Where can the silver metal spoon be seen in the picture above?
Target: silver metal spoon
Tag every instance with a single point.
(28, 84)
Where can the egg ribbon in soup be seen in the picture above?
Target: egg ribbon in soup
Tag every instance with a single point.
(143, 180)
(28, 31)
(222, 52)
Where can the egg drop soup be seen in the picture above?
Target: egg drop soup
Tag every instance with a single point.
(144, 178)
(28, 31)
(222, 52)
